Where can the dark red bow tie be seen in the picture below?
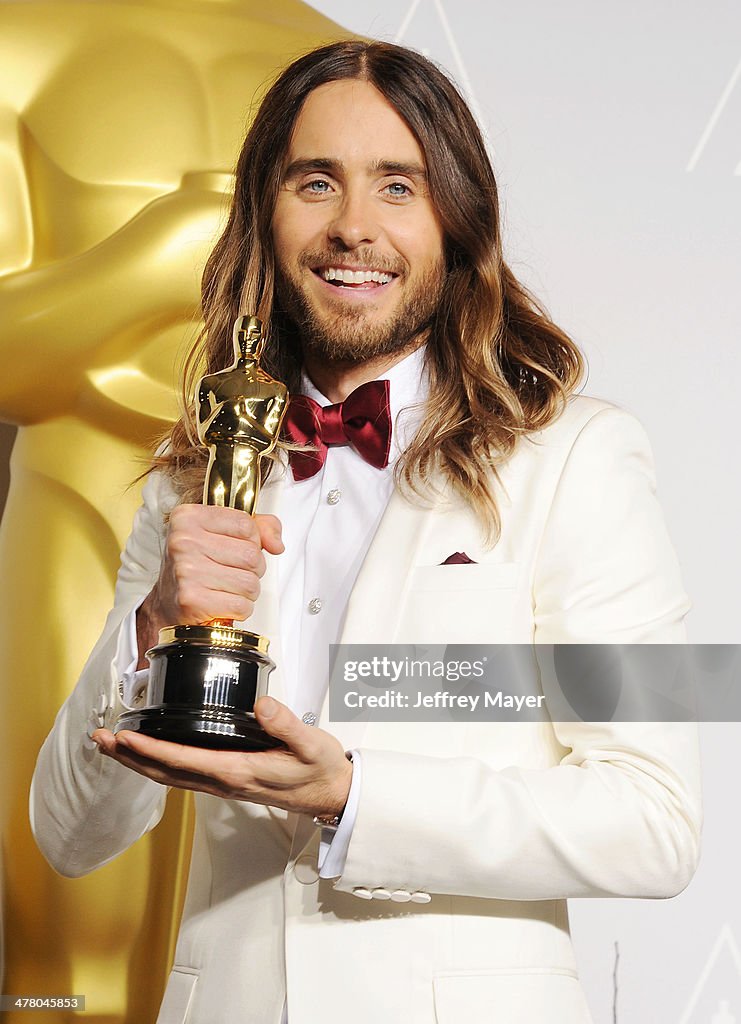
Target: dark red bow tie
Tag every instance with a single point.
(363, 421)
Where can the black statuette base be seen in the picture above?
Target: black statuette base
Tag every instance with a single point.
(205, 728)
(203, 695)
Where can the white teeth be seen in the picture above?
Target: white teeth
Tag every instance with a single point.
(355, 276)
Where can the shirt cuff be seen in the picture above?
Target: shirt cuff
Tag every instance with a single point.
(131, 683)
(333, 847)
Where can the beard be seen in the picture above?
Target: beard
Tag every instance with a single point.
(343, 333)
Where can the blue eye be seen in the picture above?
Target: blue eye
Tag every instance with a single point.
(319, 186)
(398, 189)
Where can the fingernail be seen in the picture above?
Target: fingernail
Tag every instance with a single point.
(268, 707)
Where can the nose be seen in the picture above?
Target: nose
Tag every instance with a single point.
(355, 222)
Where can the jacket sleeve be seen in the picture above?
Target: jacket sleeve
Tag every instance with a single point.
(619, 815)
(85, 809)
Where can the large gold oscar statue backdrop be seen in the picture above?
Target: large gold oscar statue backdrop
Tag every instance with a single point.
(119, 125)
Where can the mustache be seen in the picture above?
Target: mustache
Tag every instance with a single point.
(358, 259)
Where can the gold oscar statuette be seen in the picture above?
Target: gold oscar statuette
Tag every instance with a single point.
(204, 679)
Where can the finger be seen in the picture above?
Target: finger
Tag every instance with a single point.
(280, 721)
(202, 575)
(187, 542)
(236, 539)
(263, 530)
(178, 756)
(216, 519)
(221, 773)
(105, 739)
(156, 772)
(195, 603)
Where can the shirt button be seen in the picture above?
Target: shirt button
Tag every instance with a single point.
(334, 496)
(315, 605)
(380, 893)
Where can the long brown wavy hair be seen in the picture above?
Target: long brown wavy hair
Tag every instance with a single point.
(498, 366)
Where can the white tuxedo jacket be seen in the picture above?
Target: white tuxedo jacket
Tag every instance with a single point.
(498, 823)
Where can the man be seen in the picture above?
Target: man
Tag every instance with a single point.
(364, 230)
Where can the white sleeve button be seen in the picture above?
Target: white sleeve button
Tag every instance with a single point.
(401, 896)
(381, 894)
(361, 893)
(420, 897)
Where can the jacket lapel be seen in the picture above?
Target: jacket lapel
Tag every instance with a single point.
(376, 599)
(374, 608)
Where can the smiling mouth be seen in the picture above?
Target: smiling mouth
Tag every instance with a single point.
(347, 277)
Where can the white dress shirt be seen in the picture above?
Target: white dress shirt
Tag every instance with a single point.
(328, 524)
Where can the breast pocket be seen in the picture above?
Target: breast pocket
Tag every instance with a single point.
(523, 997)
(472, 603)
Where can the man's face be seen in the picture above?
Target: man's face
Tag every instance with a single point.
(358, 244)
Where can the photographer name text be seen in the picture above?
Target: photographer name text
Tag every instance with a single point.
(441, 699)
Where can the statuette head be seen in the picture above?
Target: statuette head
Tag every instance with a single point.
(249, 340)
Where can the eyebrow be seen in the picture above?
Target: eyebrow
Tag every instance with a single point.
(321, 163)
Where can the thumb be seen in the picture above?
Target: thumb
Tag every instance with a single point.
(279, 721)
(269, 528)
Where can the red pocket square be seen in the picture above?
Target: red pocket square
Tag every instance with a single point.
(458, 558)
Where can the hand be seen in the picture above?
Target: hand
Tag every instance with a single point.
(211, 569)
(311, 777)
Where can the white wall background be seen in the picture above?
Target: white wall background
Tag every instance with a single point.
(616, 136)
